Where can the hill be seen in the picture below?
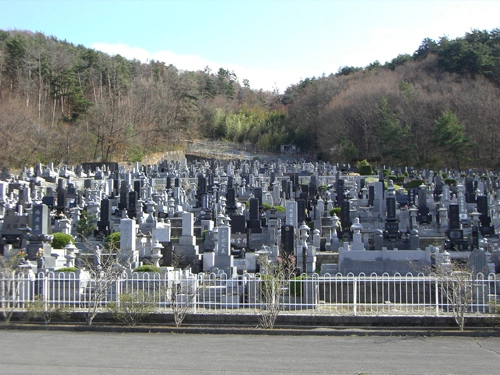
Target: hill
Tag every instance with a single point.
(69, 104)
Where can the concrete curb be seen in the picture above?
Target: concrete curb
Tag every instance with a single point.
(279, 331)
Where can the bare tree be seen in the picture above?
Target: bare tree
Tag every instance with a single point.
(181, 294)
(105, 271)
(132, 308)
(12, 281)
(274, 278)
(41, 310)
(457, 289)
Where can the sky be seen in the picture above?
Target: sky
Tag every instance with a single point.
(272, 43)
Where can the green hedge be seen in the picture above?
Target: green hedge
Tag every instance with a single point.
(61, 239)
(112, 242)
(415, 183)
(147, 268)
(67, 269)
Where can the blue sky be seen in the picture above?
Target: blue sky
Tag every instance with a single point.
(272, 43)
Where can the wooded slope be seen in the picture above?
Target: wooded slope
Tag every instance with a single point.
(65, 103)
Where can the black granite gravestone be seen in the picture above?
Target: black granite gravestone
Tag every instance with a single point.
(454, 217)
(104, 223)
(137, 186)
(123, 204)
(231, 198)
(257, 193)
(371, 195)
(61, 201)
(288, 239)
(391, 208)
(238, 224)
(345, 215)
(340, 191)
(301, 211)
(133, 209)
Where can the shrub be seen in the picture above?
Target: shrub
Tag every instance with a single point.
(66, 269)
(280, 208)
(415, 184)
(399, 180)
(364, 168)
(112, 242)
(296, 286)
(335, 210)
(450, 181)
(133, 307)
(38, 310)
(61, 239)
(86, 224)
(266, 206)
(147, 268)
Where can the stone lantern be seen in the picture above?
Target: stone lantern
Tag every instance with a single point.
(156, 254)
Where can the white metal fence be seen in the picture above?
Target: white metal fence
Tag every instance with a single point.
(418, 295)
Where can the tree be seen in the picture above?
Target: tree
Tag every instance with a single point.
(275, 276)
(105, 270)
(132, 308)
(15, 51)
(456, 287)
(61, 239)
(41, 310)
(449, 134)
(86, 224)
(393, 138)
(12, 281)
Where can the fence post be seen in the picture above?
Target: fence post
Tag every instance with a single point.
(118, 291)
(195, 294)
(436, 292)
(45, 294)
(355, 293)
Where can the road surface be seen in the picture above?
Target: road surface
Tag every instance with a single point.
(55, 352)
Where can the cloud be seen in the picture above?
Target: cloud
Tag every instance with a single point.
(259, 78)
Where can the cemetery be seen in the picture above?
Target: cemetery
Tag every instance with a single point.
(256, 236)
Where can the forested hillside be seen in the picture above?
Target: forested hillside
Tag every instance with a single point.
(65, 103)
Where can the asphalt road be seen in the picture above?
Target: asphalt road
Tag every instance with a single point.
(56, 352)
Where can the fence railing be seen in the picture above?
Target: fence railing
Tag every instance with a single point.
(409, 294)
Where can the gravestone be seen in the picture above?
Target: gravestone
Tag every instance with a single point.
(254, 223)
(133, 209)
(123, 204)
(104, 225)
(454, 217)
(288, 239)
(40, 219)
(391, 208)
(238, 224)
(138, 186)
(291, 213)
(345, 215)
(424, 216)
(257, 192)
(340, 192)
(231, 199)
(301, 210)
(478, 262)
(371, 195)
(129, 254)
(482, 207)
(61, 201)
(470, 195)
